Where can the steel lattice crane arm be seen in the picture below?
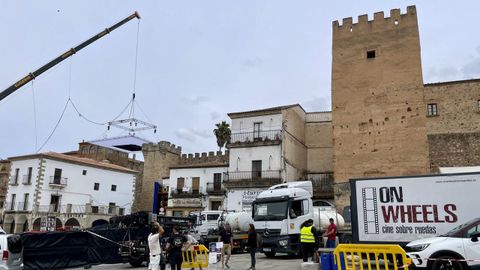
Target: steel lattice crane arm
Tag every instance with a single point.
(14, 87)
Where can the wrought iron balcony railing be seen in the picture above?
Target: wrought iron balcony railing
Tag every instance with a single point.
(256, 136)
(13, 180)
(322, 185)
(58, 181)
(19, 206)
(252, 178)
(215, 189)
(27, 179)
(186, 193)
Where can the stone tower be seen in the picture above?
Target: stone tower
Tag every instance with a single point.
(158, 158)
(379, 120)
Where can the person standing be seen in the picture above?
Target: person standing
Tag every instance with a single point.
(252, 244)
(154, 246)
(226, 236)
(308, 239)
(331, 234)
(176, 244)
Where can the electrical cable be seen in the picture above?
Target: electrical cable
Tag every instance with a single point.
(35, 115)
(55, 128)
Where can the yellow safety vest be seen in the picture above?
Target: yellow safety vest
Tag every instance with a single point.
(306, 235)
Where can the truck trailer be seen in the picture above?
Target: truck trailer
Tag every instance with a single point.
(403, 209)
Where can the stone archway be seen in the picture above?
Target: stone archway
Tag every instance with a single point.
(9, 224)
(21, 224)
(58, 224)
(72, 223)
(36, 224)
(99, 222)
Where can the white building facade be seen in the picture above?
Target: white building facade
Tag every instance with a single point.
(196, 187)
(74, 192)
(273, 146)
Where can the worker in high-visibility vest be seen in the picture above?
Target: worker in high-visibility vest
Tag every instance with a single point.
(308, 239)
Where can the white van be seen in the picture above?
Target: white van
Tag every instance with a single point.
(11, 252)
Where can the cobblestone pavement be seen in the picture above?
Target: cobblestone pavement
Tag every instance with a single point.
(237, 261)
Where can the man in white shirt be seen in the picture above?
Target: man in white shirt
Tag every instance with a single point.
(154, 246)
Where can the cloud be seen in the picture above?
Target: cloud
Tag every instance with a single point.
(442, 74)
(195, 100)
(214, 115)
(472, 68)
(317, 104)
(192, 134)
(253, 62)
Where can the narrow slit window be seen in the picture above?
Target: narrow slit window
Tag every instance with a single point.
(371, 54)
(478, 105)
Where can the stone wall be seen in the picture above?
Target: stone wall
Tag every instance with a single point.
(157, 160)
(457, 107)
(379, 124)
(4, 178)
(205, 158)
(319, 141)
(454, 150)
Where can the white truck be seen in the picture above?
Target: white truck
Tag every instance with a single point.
(279, 211)
(209, 224)
(404, 209)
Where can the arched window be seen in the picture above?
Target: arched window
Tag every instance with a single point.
(92, 149)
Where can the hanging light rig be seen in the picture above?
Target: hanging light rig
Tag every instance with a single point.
(132, 124)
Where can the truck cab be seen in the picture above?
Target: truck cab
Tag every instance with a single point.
(278, 214)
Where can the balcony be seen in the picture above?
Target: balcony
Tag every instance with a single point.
(13, 180)
(9, 206)
(59, 182)
(79, 209)
(262, 137)
(186, 193)
(213, 189)
(246, 179)
(27, 179)
(322, 185)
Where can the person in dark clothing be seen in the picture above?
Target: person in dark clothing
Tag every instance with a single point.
(252, 244)
(308, 239)
(226, 236)
(176, 243)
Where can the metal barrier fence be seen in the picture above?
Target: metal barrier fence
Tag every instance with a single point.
(351, 256)
(195, 257)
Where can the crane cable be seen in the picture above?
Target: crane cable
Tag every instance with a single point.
(132, 109)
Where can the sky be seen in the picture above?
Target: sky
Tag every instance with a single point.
(196, 62)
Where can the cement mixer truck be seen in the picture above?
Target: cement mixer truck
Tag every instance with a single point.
(279, 211)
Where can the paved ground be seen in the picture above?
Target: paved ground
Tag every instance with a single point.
(237, 261)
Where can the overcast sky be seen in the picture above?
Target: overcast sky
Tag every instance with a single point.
(197, 61)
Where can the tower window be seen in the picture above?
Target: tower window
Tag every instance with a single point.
(478, 105)
(371, 54)
(432, 109)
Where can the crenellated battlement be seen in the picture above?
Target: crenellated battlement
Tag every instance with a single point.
(379, 22)
(164, 146)
(210, 157)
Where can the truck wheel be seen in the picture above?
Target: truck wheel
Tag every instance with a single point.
(445, 265)
(346, 239)
(270, 254)
(136, 263)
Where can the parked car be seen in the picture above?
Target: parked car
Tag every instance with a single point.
(458, 249)
(11, 250)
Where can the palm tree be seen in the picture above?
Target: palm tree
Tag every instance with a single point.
(222, 132)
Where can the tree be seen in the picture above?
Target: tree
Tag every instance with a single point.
(222, 132)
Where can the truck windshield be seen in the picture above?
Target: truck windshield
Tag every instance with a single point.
(276, 210)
